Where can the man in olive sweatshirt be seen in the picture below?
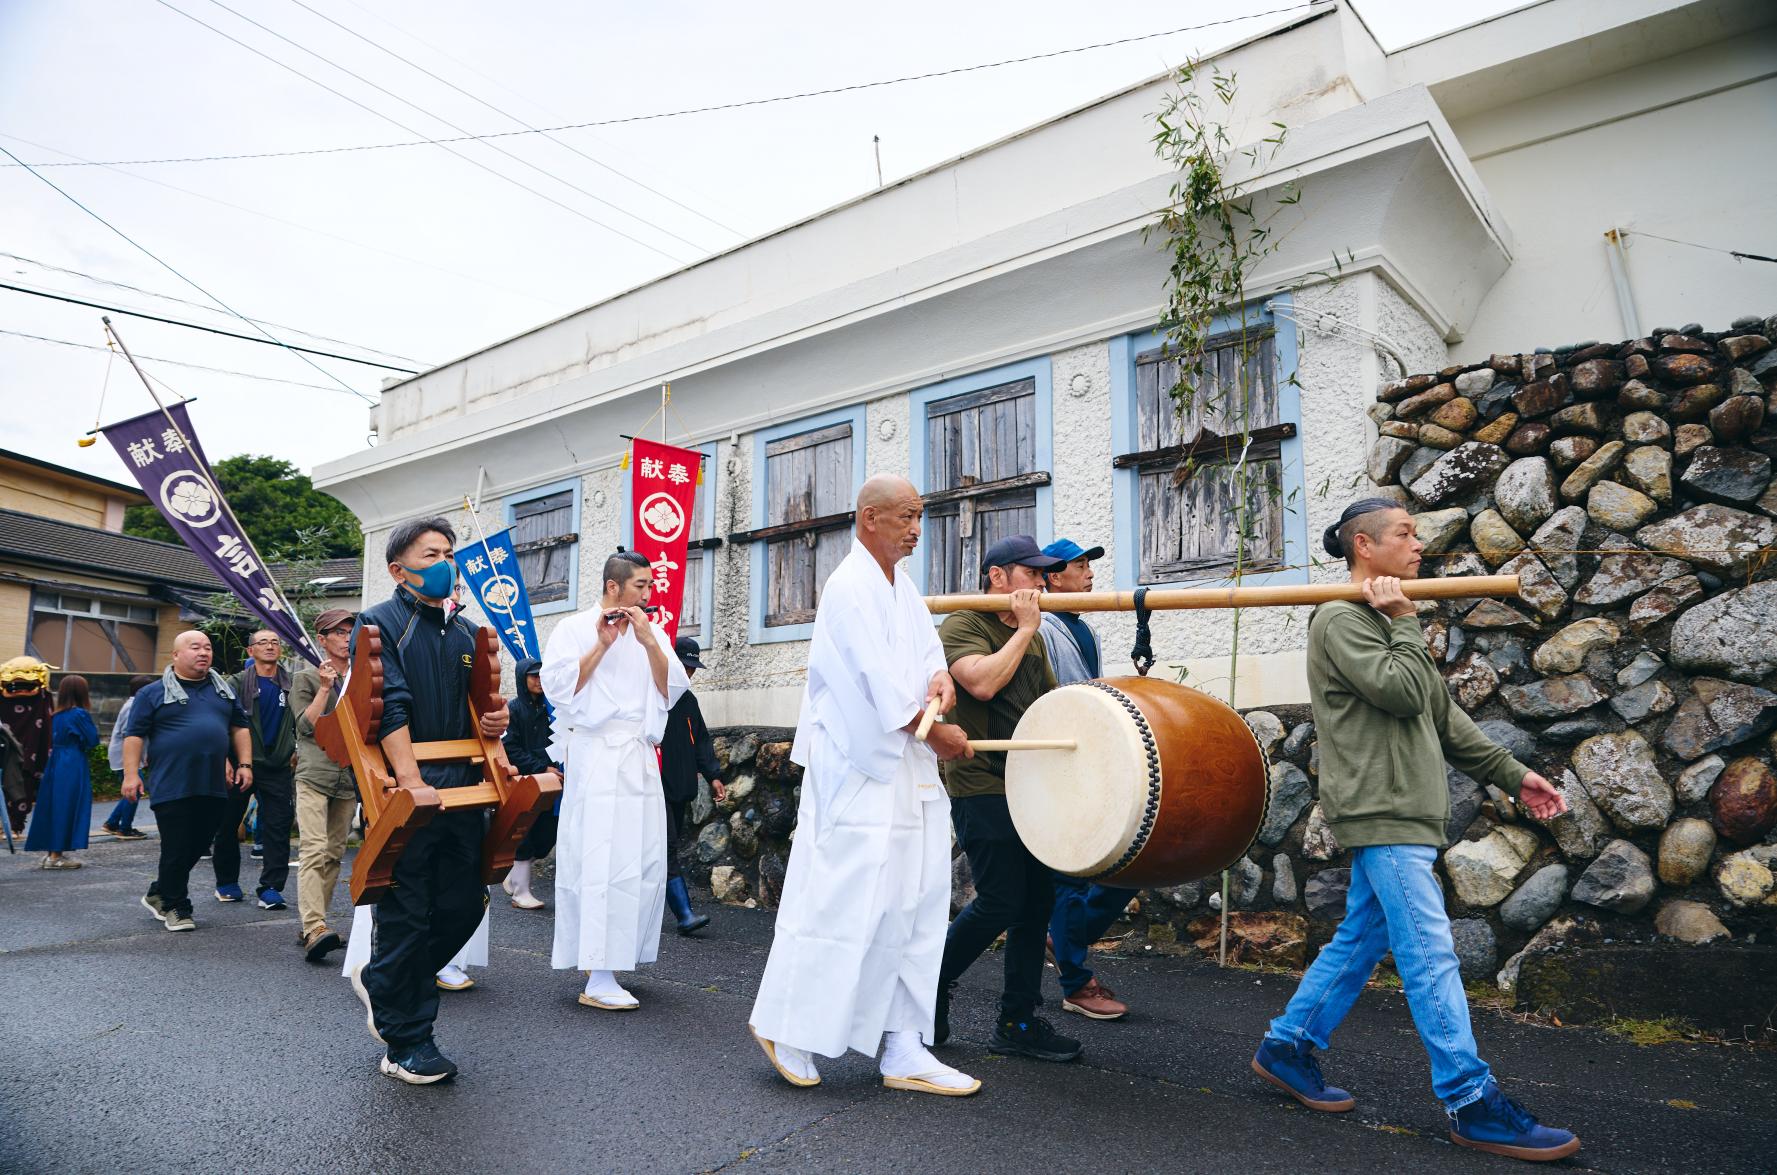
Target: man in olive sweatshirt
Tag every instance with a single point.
(1387, 726)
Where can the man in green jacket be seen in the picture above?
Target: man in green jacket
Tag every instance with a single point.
(264, 690)
(1386, 726)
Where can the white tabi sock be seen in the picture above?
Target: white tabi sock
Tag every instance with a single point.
(798, 1061)
(518, 879)
(904, 1056)
(603, 987)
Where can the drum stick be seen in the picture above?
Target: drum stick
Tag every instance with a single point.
(926, 720)
(1456, 587)
(1022, 744)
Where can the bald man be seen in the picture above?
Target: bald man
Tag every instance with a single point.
(860, 930)
(188, 723)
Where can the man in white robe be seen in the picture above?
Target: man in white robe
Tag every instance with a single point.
(866, 899)
(611, 677)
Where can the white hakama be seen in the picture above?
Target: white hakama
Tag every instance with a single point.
(610, 856)
(866, 900)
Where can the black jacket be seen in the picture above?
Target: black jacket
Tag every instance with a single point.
(426, 664)
(527, 737)
(685, 751)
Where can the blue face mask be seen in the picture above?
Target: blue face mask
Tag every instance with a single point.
(435, 582)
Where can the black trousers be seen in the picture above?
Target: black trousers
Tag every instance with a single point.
(186, 828)
(1014, 894)
(432, 909)
(540, 840)
(276, 789)
(675, 823)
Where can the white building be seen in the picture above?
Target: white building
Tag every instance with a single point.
(1467, 182)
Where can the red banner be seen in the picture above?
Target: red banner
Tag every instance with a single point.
(663, 492)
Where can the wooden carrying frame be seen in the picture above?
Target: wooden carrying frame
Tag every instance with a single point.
(350, 735)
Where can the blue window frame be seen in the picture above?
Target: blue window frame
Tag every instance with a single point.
(804, 471)
(700, 570)
(545, 524)
(979, 441)
(1173, 533)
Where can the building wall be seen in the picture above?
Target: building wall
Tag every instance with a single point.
(34, 492)
(15, 619)
(1691, 168)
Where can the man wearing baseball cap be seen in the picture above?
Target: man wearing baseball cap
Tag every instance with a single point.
(1083, 911)
(326, 793)
(1001, 668)
(686, 750)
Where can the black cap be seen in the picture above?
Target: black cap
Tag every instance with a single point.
(1019, 548)
(687, 649)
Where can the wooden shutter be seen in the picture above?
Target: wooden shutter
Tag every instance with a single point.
(981, 458)
(808, 477)
(544, 535)
(1190, 530)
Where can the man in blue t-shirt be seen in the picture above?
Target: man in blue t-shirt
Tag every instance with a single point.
(1083, 910)
(187, 725)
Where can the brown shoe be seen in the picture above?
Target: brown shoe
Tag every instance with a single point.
(318, 945)
(1095, 1001)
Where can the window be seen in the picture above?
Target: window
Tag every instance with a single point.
(983, 469)
(1181, 478)
(78, 634)
(700, 570)
(545, 526)
(805, 477)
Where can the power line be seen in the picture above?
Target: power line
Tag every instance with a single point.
(105, 281)
(172, 362)
(188, 281)
(397, 122)
(307, 228)
(682, 113)
(1734, 253)
(215, 330)
(521, 122)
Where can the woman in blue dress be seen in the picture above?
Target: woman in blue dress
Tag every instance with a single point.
(65, 797)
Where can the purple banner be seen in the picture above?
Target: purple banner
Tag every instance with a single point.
(172, 470)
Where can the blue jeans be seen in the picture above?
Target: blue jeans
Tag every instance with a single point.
(1395, 904)
(1083, 912)
(123, 816)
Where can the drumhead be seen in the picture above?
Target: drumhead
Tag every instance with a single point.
(1078, 811)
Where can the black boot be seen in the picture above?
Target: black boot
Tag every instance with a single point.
(678, 900)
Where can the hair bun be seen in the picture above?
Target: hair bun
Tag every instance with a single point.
(1330, 540)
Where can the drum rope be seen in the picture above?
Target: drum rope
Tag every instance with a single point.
(1142, 655)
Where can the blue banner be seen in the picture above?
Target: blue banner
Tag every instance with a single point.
(490, 568)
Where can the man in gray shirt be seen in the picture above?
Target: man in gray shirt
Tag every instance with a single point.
(1083, 911)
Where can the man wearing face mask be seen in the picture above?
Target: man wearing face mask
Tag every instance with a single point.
(437, 898)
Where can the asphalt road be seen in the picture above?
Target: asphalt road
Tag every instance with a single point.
(126, 1048)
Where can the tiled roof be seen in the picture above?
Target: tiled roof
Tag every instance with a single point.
(47, 542)
(51, 543)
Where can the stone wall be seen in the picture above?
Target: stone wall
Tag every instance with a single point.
(1630, 486)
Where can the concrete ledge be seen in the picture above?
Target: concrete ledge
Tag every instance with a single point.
(1727, 990)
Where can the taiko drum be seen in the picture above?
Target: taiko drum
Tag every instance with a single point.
(1166, 783)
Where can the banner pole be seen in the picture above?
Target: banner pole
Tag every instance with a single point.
(203, 468)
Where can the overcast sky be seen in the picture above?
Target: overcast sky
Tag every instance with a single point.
(419, 252)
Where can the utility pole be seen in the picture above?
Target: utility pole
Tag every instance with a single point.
(876, 141)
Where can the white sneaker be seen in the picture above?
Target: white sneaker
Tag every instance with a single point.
(792, 1064)
(911, 1066)
(357, 979)
(453, 978)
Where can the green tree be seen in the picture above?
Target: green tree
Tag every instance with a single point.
(277, 505)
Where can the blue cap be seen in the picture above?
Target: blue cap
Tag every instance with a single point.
(1067, 550)
(1019, 548)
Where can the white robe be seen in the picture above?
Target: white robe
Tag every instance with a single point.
(866, 900)
(610, 854)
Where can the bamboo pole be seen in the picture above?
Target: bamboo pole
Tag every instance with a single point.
(1456, 587)
(926, 720)
(1023, 744)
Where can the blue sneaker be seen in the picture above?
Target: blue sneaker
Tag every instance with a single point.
(1293, 1069)
(421, 1065)
(271, 899)
(229, 893)
(1500, 1126)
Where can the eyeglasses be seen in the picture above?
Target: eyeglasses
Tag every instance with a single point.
(272, 641)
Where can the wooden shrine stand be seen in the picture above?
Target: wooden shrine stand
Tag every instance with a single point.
(350, 736)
